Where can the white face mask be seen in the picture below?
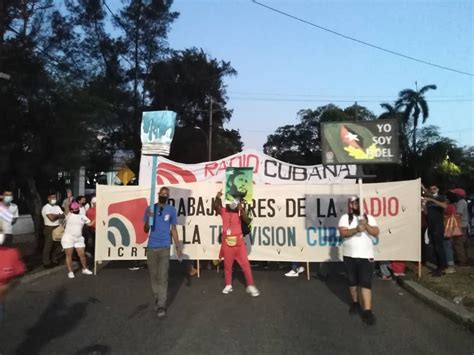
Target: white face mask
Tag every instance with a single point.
(53, 202)
(7, 199)
(93, 200)
(233, 205)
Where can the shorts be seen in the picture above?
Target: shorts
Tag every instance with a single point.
(359, 271)
(69, 241)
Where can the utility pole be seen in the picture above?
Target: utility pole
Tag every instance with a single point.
(355, 110)
(210, 130)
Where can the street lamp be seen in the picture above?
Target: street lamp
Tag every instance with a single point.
(207, 141)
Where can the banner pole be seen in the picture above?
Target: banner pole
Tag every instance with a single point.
(307, 270)
(153, 187)
(419, 269)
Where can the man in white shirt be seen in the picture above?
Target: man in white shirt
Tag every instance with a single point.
(8, 224)
(358, 233)
(52, 215)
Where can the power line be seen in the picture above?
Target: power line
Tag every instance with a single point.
(327, 100)
(360, 41)
(386, 97)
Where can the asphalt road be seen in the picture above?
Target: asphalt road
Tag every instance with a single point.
(112, 314)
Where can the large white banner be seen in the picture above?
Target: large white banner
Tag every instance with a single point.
(267, 170)
(290, 223)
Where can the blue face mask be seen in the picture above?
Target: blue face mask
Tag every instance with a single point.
(8, 199)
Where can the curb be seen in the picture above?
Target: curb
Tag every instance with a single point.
(455, 312)
(30, 277)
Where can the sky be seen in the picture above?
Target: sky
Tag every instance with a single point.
(284, 65)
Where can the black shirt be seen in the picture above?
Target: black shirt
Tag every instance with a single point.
(435, 213)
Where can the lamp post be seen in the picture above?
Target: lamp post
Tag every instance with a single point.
(207, 142)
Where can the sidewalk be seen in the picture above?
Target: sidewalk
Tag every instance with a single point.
(31, 256)
(452, 294)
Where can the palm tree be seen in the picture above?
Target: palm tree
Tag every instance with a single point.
(414, 103)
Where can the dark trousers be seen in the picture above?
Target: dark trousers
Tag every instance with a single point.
(8, 240)
(51, 249)
(461, 247)
(436, 235)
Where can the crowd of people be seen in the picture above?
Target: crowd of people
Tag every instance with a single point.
(445, 236)
(445, 223)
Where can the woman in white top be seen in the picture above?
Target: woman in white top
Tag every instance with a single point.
(73, 238)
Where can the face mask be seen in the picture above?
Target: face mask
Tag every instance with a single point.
(233, 205)
(8, 199)
(53, 202)
(75, 212)
(435, 194)
(162, 199)
(93, 200)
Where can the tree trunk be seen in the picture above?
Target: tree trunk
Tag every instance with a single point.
(35, 205)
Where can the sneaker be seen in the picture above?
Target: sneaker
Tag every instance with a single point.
(86, 272)
(292, 273)
(253, 291)
(70, 275)
(300, 269)
(399, 274)
(368, 317)
(161, 312)
(450, 270)
(227, 289)
(385, 277)
(134, 268)
(354, 308)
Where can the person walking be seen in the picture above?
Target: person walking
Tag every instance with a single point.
(357, 232)
(233, 244)
(158, 249)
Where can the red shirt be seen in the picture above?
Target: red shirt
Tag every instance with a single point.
(91, 213)
(11, 265)
(230, 220)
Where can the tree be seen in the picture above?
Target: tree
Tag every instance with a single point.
(186, 82)
(414, 103)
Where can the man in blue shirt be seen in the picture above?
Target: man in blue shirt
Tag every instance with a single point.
(158, 249)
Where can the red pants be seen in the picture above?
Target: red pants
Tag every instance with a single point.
(239, 253)
(398, 267)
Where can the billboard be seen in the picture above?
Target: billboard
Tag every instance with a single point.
(362, 142)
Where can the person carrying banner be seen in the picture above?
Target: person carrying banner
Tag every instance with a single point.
(358, 232)
(158, 248)
(233, 244)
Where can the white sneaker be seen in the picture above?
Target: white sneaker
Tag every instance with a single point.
(300, 269)
(450, 270)
(254, 292)
(227, 289)
(86, 272)
(292, 273)
(70, 275)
